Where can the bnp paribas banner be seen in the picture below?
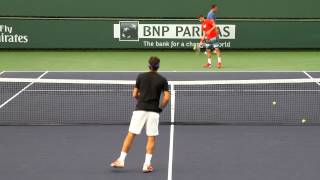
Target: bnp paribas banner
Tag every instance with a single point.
(147, 35)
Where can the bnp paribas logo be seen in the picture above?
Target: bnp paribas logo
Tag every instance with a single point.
(133, 31)
(129, 30)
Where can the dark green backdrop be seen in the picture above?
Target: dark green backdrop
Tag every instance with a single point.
(161, 8)
(74, 34)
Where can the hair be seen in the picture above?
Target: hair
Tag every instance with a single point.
(154, 63)
(213, 6)
(200, 16)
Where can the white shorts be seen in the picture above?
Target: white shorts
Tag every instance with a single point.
(141, 118)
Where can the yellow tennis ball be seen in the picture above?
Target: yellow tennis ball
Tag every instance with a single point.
(274, 103)
(303, 120)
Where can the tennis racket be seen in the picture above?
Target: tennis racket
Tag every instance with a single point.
(198, 46)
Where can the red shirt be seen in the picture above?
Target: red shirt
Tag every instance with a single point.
(206, 26)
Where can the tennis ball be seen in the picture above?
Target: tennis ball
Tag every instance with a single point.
(303, 120)
(274, 103)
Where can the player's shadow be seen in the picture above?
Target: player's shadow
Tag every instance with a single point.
(124, 171)
(121, 171)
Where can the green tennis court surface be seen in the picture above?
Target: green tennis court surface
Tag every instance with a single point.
(171, 60)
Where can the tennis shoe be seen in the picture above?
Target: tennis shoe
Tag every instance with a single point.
(117, 164)
(207, 65)
(147, 168)
(219, 65)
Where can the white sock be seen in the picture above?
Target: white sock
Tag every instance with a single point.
(123, 156)
(219, 59)
(209, 60)
(148, 159)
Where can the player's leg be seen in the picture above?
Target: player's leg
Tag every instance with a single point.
(209, 47)
(137, 122)
(215, 44)
(151, 141)
(209, 56)
(219, 63)
(152, 130)
(127, 143)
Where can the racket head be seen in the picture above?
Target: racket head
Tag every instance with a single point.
(197, 48)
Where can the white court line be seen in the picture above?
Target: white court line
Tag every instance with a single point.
(159, 19)
(23, 71)
(18, 93)
(2, 72)
(132, 82)
(186, 90)
(186, 71)
(78, 90)
(315, 71)
(310, 77)
(170, 161)
(204, 71)
(250, 90)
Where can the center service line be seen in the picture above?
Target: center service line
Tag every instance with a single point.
(21, 91)
(307, 74)
(170, 161)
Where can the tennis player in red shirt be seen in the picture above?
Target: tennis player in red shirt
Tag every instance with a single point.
(210, 40)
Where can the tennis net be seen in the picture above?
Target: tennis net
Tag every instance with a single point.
(228, 102)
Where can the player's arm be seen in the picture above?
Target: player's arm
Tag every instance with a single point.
(213, 28)
(203, 37)
(217, 30)
(165, 95)
(136, 93)
(210, 30)
(165, 99)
